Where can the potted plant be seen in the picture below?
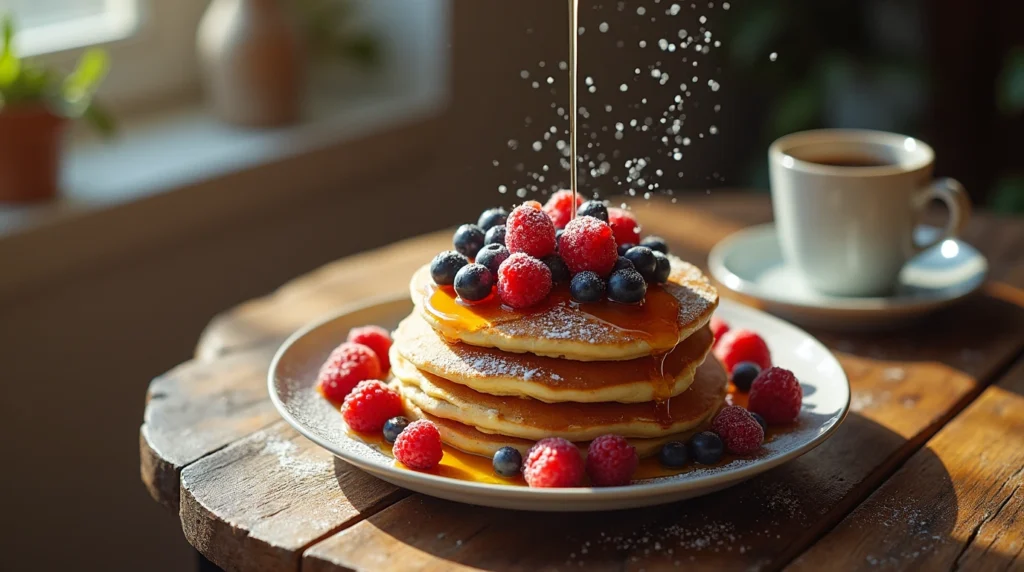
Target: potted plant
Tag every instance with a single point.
(36, 103)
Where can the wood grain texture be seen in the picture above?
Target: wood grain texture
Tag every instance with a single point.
(905, 386)
(197, 408)
(958, 504)
(257, 503)
(258, 500)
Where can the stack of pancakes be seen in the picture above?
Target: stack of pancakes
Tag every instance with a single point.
(493, 379)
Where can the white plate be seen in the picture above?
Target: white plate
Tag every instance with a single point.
(294, 369)
(750, 262)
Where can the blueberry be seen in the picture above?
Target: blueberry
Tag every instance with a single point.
(507, 461)
(706, 448)
(587, 286)
(743, 375)
(474, 282)
(673, 455)
(596, 209)
(627, 286)
(623, 263)
(394, 426)
(623, 248)
(662, 270)
(559, 271)
(644, 261)
(445, 266)
(495, 235)
(468, 240)
(492, 217)
(492, 256)
(655, 243)
(760, 421)
(558, 237)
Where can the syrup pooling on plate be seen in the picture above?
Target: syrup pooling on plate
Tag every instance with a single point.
(457, 464)
(655, 320)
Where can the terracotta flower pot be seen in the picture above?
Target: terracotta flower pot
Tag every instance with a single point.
(30, 148)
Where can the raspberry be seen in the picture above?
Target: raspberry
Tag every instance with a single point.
(740, 432)
(553, 462)
(776, 395)
(560, 207)
(624, 225)
(523, 281)
(611, 461)
(530, 231)
(369, 405)
(377, 339)
(588, 244)
(718, 328)
(347, 365)
(736, 346)
(419, 446)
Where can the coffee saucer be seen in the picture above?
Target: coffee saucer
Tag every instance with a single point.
(750, 263)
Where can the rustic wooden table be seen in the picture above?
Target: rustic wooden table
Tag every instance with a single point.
(925, 474)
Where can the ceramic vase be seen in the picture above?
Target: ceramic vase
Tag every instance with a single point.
(252, 60)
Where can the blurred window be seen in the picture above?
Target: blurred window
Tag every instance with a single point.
(47, 26)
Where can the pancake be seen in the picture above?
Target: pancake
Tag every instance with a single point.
(492, 371)
(532, 419)
(560, 328)
(470, 440)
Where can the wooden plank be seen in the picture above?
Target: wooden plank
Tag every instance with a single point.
(376, 273)
(904, 388)
(955, 505)
(197, 408)
(257, 503)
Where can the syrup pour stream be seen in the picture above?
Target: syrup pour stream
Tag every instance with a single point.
(574, 7)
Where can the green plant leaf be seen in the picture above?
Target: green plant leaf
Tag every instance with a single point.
(1008, 194)
(10, 65)
(82, 83)
(100, 119)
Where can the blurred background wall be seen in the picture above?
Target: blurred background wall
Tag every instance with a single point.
(79, 344)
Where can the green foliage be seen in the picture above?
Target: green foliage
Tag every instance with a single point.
(331, 33)
(1010, 87)
(24, 82)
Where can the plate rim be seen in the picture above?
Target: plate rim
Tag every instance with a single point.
(836, 304)
(660, 487)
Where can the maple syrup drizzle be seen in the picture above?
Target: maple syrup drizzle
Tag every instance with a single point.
(655, 320)
(573, 80)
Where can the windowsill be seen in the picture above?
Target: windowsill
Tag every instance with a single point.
(185, 146)
(168, 174)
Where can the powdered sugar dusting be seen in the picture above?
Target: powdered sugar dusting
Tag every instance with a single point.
(291, 458)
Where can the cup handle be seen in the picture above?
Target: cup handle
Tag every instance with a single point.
(951, 192)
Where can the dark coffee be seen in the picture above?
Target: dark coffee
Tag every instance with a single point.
(848, 161)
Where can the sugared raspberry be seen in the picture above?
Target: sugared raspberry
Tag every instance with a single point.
(347, 365)
(419, 446)
(718, 328)
(553, 462)
(560, 207)
(740, 432)
(523, 281)
(377, 339)
(736, 346)
(624, 225)
(776, 395)
(530, 231)
(588, 244)
(611, 461)
(369, 405)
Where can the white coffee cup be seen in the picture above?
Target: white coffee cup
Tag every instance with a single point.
(850, 229)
